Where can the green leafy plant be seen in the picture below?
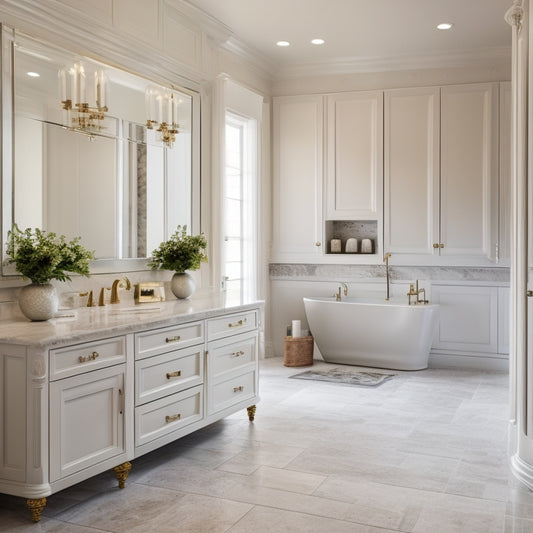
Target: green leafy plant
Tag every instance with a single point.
(42, 256)
(180, 253)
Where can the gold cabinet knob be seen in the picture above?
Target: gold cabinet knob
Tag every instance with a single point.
(441, 245)
(318, 244)
(435, 245)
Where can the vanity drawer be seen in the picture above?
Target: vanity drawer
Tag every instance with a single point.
(168, 373)
(233, 390)
(159, 418)
(231, 325)
(81, 358)
(229, 354)
(163, 340)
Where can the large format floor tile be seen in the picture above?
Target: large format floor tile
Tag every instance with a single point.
(425, 452)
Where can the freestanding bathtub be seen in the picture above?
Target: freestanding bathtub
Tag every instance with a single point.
(372, 332)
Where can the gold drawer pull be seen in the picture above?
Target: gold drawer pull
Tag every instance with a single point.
(176, 338)
(237, 354)
(175, 374)
(238, 389)
(172, 418)
(91, 357)
(237, 324)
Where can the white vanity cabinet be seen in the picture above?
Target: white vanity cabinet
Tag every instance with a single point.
(82, 397)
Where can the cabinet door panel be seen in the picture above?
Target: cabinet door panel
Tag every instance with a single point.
(468, 318)
(297, 169)
(86, 420)
(355, 155)
(469, 157)
(412, 165)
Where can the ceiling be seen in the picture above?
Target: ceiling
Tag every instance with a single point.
(366, 31)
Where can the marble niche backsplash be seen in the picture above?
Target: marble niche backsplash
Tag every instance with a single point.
(69, 291)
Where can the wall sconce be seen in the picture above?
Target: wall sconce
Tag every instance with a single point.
(162, 113)
(78, 113)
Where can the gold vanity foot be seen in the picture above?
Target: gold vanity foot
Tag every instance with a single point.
(251, 412)
(36, 508)
(121, 473)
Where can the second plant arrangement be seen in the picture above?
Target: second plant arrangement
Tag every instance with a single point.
(180, 253)
(42, 256)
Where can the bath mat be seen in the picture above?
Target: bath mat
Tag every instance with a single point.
(347, 376)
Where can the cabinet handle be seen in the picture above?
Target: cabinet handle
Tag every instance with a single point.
(121, 401)
(435, 245)
(238, 389)
(172, 418)
(318, 244)
(176, 338)
(237, 324)
(237, 354)
(91, 357)
(441, 245)
(175, 374)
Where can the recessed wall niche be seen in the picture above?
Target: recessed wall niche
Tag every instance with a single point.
(352, 229)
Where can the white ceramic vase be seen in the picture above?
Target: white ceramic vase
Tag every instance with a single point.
(38, 302)
(182, 285)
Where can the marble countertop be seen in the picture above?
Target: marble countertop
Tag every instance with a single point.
(84, 324)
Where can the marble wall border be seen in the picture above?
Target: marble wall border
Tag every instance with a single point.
(326, 272)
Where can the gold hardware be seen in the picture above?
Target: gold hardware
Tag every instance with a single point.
(176, 338)
(238, 389)
(238, 354)
(172, 418)
(119, 283)
(318, 244)
(435, 245)
(121, 401)
(441, 245)
(91, 357)
(529, 294)
(237, 324)
(36, 507)
(101, 298)
(175, 374)
(411, 293)
(251, 412)
(121, 473)
(337, 295)
(416, 292)
(90, 300)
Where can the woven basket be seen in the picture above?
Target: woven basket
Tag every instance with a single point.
(298, 351)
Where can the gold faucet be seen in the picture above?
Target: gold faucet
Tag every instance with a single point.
(386, 259)
(119, 283)
(345, 288)
(337, 295)
(418, 292)
(101, 298)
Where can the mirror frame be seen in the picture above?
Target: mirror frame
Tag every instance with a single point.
(7, 105)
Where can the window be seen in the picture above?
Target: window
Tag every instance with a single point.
(239, 208)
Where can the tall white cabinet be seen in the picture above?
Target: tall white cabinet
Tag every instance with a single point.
(354, 179)
(441, 171)
(298, 177)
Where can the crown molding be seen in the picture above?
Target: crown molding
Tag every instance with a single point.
(216, 30)
(254, 59)
(62, 25)
(357, 65)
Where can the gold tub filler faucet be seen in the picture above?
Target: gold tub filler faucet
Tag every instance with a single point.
(415, 293)
(344, 287)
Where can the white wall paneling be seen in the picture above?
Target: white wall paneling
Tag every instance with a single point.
(504, 235)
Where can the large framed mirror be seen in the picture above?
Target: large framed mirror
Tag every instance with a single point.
(93, 151)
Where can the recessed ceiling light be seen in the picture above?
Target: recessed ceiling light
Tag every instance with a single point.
(33, 74)
(318, 41)
(283, 43)
(444, 26)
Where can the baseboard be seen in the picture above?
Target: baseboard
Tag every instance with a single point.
(523, 471)
(475, 362)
